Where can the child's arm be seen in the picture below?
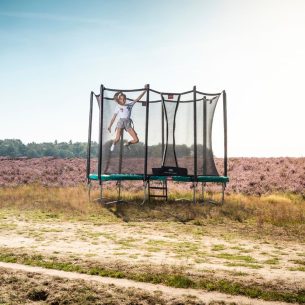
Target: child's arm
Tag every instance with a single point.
(111, 122)
(140, 96)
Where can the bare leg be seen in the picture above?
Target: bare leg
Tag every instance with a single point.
(117, 135)
(134, 136)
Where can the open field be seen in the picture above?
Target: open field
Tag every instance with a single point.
(252, 248)
(252, 176)
(249, 251)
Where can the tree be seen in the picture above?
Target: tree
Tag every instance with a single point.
(12, 148)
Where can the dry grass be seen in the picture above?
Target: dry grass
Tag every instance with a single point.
(275, 216)
(28, 288)
(53, 202)
(279, 210)
(165, 274)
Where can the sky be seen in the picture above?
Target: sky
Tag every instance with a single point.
(54, 52)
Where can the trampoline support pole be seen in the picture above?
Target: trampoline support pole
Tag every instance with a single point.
(121, 151)
(89, 191)
(145, 186)
(119, 194)
(194, 192)
(202, 191)
(120, 163)
(101, 192)
(223, 193)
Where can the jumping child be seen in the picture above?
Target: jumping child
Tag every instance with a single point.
(123, 110)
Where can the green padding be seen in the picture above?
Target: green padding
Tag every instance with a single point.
(115, 177)
(221, 179)
(213, 179)
(161, 178)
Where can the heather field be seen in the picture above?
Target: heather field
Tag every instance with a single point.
(56, 247)
(252, 176)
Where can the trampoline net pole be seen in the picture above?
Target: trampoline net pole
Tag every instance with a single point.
(146, 132)
(225, 133)
(195, 133)
(162, 128)
(204, 150)
(89, 139)
(99, 169)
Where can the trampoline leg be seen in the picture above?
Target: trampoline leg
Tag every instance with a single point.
(89, 191)
(145, 184)
(101, 192)
(148, 186)
(223, 193)
(194, 192)
(202, 191)
(119, 194)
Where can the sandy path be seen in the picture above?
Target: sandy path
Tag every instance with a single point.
(196, 249)
(158, 244)
(123, 283)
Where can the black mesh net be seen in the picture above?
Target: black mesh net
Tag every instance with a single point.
(170, 103)
(123, 159)
(205, 114)
(170, 133)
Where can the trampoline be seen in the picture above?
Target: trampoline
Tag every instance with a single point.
(175, 140)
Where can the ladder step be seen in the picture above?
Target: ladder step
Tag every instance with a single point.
(161, 187)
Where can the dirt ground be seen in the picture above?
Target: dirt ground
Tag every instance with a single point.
(26, 287)
(20, 283)
(222, 252)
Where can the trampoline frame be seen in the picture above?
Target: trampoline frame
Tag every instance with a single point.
(145, 177)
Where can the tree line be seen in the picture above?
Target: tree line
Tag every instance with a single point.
(15, 148)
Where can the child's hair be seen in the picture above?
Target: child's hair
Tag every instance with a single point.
(118, 94)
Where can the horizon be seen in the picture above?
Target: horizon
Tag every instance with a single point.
(54, 53)
(70, 142)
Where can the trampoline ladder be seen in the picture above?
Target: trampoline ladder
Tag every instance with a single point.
(160, 189)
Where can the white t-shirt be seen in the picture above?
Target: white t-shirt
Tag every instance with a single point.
(124, 111)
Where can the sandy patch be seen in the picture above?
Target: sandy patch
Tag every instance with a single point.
(197, 249)
(167, 291)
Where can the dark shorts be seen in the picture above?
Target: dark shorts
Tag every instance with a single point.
(124, 123)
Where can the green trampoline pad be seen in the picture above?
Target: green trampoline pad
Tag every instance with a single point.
(116, 177)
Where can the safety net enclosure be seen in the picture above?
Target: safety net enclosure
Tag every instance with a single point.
(174, 132)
